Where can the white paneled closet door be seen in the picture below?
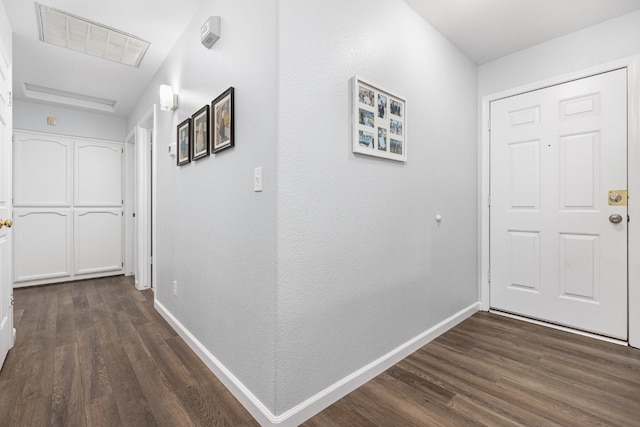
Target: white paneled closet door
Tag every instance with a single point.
(69, 207)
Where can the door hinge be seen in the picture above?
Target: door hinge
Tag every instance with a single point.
(489, 124)
(10, 98)
(489, 276)
(122, 263)
(150, 260)
(488, 199)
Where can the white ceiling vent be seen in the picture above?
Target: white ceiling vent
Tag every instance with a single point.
(58, 96)
(63, 29)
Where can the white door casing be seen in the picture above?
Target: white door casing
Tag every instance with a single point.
(6, 293)
(555, 154)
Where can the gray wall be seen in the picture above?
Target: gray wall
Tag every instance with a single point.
(216, 237)
(340, 259)
(33, 116)
(362, 266)
(5, 30)
(599, 44)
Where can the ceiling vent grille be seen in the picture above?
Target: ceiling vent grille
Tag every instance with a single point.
(66, 30)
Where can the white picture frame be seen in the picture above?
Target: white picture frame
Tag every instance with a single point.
(379, 121)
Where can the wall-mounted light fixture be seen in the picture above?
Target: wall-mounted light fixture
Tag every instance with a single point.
(168, 99)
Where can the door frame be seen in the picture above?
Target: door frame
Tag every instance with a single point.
(143, 137)
(632, 64)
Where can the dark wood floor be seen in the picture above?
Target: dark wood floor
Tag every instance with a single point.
(96, 353)
(495, 371)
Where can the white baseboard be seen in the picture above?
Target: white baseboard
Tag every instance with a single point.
(310, 407)
(63, 279)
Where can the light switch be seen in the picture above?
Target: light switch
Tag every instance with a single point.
(257, 179)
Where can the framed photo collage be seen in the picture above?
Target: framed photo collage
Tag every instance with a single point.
(379, 121)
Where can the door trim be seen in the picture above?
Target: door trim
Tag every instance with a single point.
(632, 64)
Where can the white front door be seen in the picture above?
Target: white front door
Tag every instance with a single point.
(556, 252)
(6, 294)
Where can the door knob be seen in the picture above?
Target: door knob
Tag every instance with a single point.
(615, 218)
(8, 223)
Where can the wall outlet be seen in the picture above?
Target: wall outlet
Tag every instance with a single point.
(175, 288)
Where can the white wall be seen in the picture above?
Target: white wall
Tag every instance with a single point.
(33, 116)
(362, 266)
(216, 237)
(5, 30)
(611, 40)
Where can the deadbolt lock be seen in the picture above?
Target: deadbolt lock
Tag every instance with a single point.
(618, 198)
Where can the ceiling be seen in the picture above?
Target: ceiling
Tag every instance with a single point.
(488, 29)
(159, 21)
(483, 29)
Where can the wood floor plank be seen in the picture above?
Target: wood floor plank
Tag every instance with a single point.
(178, 375)
(103, 412)
(40, 369)
(67, 406)
(131, 399)
(34, 413)
(93, 369)
(166, 406)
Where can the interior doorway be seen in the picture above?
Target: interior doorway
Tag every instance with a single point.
(140, 211)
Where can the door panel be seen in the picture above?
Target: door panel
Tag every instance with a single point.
(34, 155)
(98, 240)
(98, 174)
(42, 245)
(555, 154)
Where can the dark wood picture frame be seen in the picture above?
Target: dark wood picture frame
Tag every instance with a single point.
(183, 146)
(200, 137)
(222, 127)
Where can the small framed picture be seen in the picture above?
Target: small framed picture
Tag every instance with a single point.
(200, 138)
(379, 121)
(184, 142)
(222, 123)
